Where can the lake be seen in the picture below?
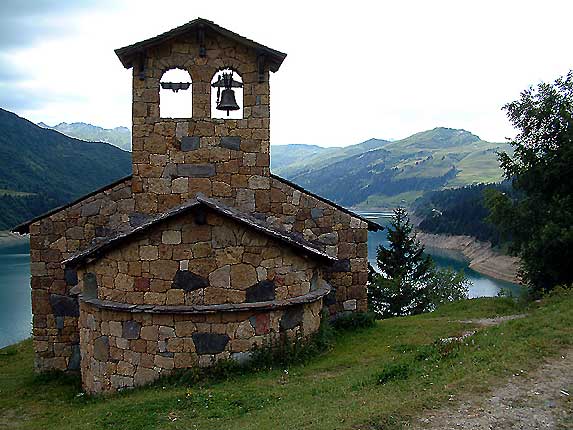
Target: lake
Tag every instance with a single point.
(15, 300)
(481, 285)
(16, 309)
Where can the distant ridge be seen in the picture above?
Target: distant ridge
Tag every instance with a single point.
(118, 136)
(382, 174)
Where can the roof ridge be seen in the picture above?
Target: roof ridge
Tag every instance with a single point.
(126, 53)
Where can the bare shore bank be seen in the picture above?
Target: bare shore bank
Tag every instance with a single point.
(482, 257)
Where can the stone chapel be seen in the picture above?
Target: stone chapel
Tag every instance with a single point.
(201, 253)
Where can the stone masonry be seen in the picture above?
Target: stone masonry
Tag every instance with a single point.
(249, 256)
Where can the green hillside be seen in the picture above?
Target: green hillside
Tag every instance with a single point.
(118, 136)
(378, 173)
(42, 169)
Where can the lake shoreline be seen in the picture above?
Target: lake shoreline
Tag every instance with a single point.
(7, 238)
(482, 258)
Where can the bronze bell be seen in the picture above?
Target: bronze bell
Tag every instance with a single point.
(227, 101)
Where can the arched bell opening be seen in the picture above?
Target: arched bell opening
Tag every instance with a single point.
(227, 95)
(175, 94)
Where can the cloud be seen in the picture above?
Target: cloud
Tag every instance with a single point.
(17, 97)
(24, 26)
(25, 22)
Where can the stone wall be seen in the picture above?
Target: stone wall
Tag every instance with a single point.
(340, 234)
(126, 349)
(200, 259)
(52, 239)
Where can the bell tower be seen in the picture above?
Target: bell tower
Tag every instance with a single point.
(225, 157)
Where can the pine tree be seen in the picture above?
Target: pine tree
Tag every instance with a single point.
(408, 282)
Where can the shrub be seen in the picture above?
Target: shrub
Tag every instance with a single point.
(354, 321)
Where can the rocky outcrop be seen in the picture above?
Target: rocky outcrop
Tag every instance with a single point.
(482, 257)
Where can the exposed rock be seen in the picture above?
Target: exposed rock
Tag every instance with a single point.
(316, 213)
(259, 183)
(181, 130)
(171, 237)
(349, 305)
(188, 281)
(210, 343)
(145, 376)
(90, 284)
(64, 306)
(70, 276)
(329, 238)
(136, 219)
(261, 292)
(91, 209)
(131, 329)
(246, 200)
(196, 170)
(221, 277)
(231, 142)
(291, 318)
(75, 358)
(261, 322)
(166, 332)
(148, 252)
(189, 143)
(101, 348)
(245, 330)
(242, 357)
(243, 276)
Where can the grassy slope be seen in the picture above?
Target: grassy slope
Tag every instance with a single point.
(338, 390)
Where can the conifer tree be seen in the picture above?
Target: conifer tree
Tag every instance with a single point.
(407, 281)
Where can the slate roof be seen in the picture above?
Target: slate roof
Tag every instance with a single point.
(101, 247)
(128, 53)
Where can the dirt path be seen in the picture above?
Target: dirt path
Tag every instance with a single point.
(542, 399)
(489, 322)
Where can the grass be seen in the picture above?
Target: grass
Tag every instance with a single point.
(373, 378)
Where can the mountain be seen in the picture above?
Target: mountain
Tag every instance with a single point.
(41, 169)
(118, 136)
(290, 160)
(381, 173)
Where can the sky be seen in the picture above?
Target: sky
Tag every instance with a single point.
(354, 70)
